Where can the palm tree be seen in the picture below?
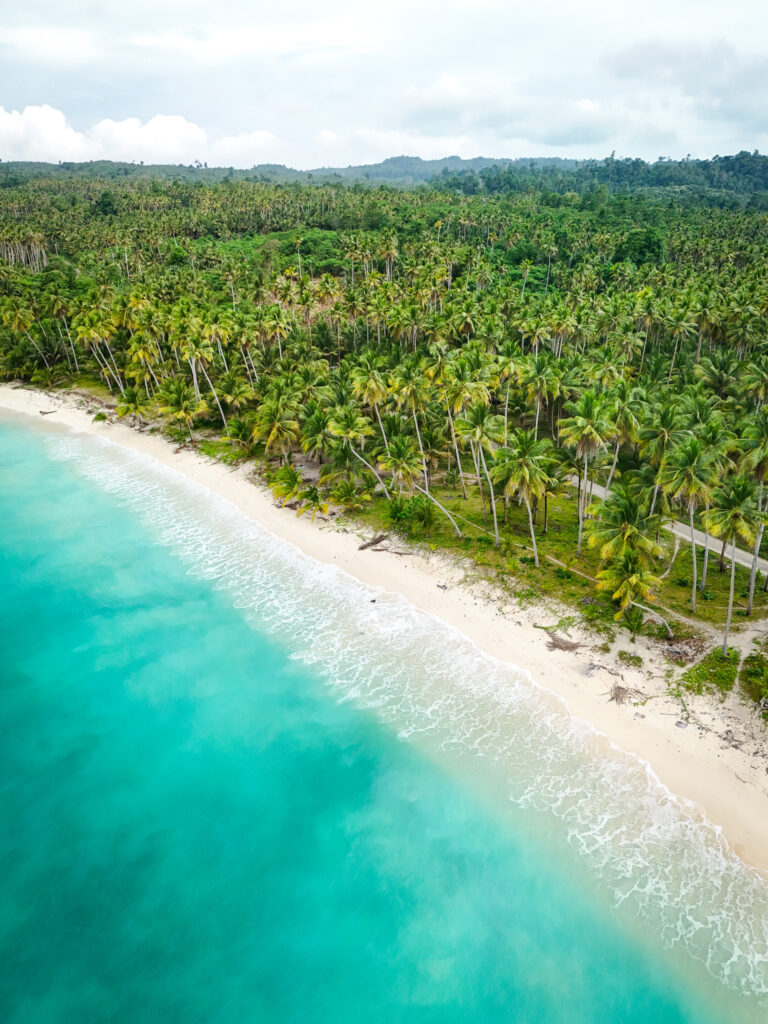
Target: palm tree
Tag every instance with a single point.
(351, 428)
(623, 525)
(410, 387)
(523, 468)
(687, 475)
(588, 430)
(755, 445)
(482, 429)
(734, 516)
(179, 403)
(276, 423)
(629, 581)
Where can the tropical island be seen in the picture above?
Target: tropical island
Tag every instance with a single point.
(554, 376)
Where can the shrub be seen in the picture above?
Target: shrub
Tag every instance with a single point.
(715, 673)
(753, 677)
(627, 658)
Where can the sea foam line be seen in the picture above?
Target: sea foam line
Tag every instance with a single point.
(425, 677)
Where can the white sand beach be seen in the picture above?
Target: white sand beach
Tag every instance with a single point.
(715, 756)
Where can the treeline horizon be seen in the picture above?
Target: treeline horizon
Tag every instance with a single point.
(743, 174)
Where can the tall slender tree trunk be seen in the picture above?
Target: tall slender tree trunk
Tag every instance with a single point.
(432, 498)
(366, 463)
(582, 504)
(730, 597)
(456, 450)
(753, 571)
(613, 467)
(703, 581)
(693, 556)
(421, 448)
(493, 497)
(216, 397)
(479, 480)
(533, 533)
(381, 427)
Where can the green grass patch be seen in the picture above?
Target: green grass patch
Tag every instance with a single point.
(715, 673)
(627, 658)
(753, 677)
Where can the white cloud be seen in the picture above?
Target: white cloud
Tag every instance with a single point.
(43, 133)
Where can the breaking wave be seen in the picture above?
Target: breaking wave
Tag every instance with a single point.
(424, 677)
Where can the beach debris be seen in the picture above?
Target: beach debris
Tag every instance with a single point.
(619, 694)
(556, 642)
(681, 724)
(372, 543)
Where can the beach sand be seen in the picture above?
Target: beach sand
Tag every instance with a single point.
(716, 756)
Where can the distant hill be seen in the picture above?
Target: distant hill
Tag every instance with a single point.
(743, 174)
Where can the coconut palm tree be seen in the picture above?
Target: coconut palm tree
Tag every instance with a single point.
(734, 516)
(631, 584)
(522, 466)
(688, 476)
(588, 429)
(482, 429)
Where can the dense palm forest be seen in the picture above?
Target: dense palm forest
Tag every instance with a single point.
(469, 369)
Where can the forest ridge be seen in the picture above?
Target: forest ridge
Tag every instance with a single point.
(740, 175)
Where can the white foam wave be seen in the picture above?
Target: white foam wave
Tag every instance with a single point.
(424, 677)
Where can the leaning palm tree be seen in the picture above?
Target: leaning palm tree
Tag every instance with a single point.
(687, 476)
(733, 515)
(631, 583)
(523, 467)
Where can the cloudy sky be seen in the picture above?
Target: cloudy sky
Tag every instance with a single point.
(239, 82)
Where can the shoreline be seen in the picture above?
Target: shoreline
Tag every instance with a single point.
(716, 759)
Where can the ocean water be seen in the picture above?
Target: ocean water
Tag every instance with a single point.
(238, 786)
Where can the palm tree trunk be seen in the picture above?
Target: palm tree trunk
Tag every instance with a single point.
(753, 571)
(652, 611)
(653, 500)
(479, 480)
(71, 343)
(381, 428)
(613, 466)
(365, 463)
(442, 509)
(582, 505)
(37, 349)
(506, 408)
(493, 498)
(215, 395)
(730, 597)
(456, 450)
(536, 422)
(693, 556)
(421, 448)
(533, 534)
(722, 555)
(703, 582)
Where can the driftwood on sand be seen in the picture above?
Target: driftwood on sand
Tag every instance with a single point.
(372, 543)
(624, 694)
(555, 642)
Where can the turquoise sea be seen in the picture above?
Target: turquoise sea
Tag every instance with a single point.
(238, 786)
